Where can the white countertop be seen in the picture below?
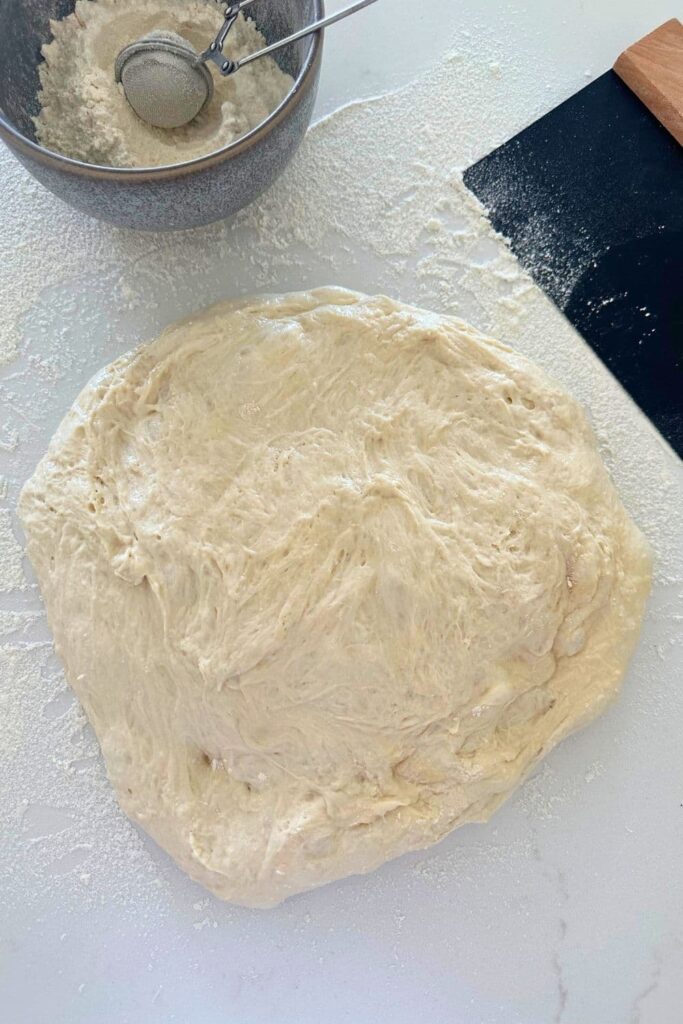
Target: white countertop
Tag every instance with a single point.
(568, 906)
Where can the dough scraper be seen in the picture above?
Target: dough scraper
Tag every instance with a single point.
(590, 198)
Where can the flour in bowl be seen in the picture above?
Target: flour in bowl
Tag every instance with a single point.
(84, 113)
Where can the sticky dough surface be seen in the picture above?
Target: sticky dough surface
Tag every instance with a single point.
(329, 574)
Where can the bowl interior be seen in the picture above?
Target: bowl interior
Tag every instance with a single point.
(25, 27)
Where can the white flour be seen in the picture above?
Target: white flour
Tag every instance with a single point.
(84, 113)
(393, 216)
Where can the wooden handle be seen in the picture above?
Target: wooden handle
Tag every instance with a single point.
(653, 70)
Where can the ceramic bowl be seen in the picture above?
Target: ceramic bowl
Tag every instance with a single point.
(159, 198)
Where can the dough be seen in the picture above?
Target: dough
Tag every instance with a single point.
(329, 575)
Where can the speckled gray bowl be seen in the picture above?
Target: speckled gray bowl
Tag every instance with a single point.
(159, 198)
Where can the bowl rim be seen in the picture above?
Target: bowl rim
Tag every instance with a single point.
(302, 84)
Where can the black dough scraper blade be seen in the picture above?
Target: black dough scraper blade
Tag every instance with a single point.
(590, 198)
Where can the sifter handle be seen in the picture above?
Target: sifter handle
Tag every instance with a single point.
(229, 67)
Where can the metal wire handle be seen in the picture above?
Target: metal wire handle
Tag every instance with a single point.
(229, 67)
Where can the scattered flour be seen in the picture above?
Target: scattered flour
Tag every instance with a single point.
(11, 574)
(84, 113)
(394, 217)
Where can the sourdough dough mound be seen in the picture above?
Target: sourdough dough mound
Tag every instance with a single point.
(329, 575)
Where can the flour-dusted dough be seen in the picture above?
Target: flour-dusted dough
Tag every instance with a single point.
(329, 574)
